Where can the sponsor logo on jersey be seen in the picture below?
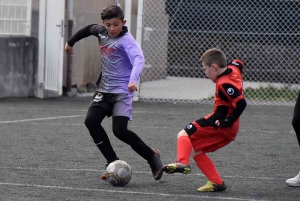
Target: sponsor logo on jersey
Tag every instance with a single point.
(230, 91)
(189, 126)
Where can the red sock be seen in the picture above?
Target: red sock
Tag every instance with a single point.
(184, 149)
(208, 168)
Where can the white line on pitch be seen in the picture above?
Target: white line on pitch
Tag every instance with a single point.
(133, 112)
(40, 119)
(135, 172)
(109, 125)
(128, 192)
(105, 125)
(43, 109)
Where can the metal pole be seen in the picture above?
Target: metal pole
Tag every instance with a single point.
(69, 57)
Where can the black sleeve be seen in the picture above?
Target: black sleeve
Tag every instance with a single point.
(240, 106)
(93, 29)
(220, 113)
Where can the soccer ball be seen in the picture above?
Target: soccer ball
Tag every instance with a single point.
(118, 173)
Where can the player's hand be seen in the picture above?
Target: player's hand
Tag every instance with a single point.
(132, 87)
(68, 49)
(223, 123)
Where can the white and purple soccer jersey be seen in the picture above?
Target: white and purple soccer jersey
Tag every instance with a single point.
(122, 58)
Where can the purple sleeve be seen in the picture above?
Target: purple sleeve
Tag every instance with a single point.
(136, 57)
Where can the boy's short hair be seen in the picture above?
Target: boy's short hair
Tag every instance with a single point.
(112, 11)
(214, 56)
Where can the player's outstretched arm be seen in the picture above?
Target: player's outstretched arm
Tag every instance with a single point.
(93, 29)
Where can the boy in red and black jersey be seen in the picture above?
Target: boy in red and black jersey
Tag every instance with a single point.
(214, 130)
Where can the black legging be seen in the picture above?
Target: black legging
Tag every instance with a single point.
(296, 118)
(93, 121)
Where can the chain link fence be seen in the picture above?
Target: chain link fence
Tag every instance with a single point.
(263, 33)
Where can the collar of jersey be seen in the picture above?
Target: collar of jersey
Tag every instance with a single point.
(226, 72)
(124, 30)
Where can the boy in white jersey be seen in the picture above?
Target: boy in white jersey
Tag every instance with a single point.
(122, 63)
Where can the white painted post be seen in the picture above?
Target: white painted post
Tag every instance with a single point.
(28, 17)
(41, 51)
(139, 29)
(127, 14)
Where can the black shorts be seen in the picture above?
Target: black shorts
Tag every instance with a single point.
(115, 104)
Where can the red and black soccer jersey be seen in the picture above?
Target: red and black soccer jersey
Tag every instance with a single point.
(229, 102)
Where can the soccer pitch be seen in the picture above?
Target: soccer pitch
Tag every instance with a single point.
(47, 154)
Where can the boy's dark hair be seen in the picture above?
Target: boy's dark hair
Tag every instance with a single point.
(214, 56)
(112, 11)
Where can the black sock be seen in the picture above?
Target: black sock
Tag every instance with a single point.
(122, 133)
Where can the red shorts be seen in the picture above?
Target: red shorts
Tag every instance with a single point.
(209, 139)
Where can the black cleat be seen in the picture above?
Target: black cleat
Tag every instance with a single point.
(156, 165)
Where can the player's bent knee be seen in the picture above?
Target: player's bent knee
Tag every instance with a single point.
(88, 122)
(195, 153)
(295, 122)
(182, 133)
(119, 132)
